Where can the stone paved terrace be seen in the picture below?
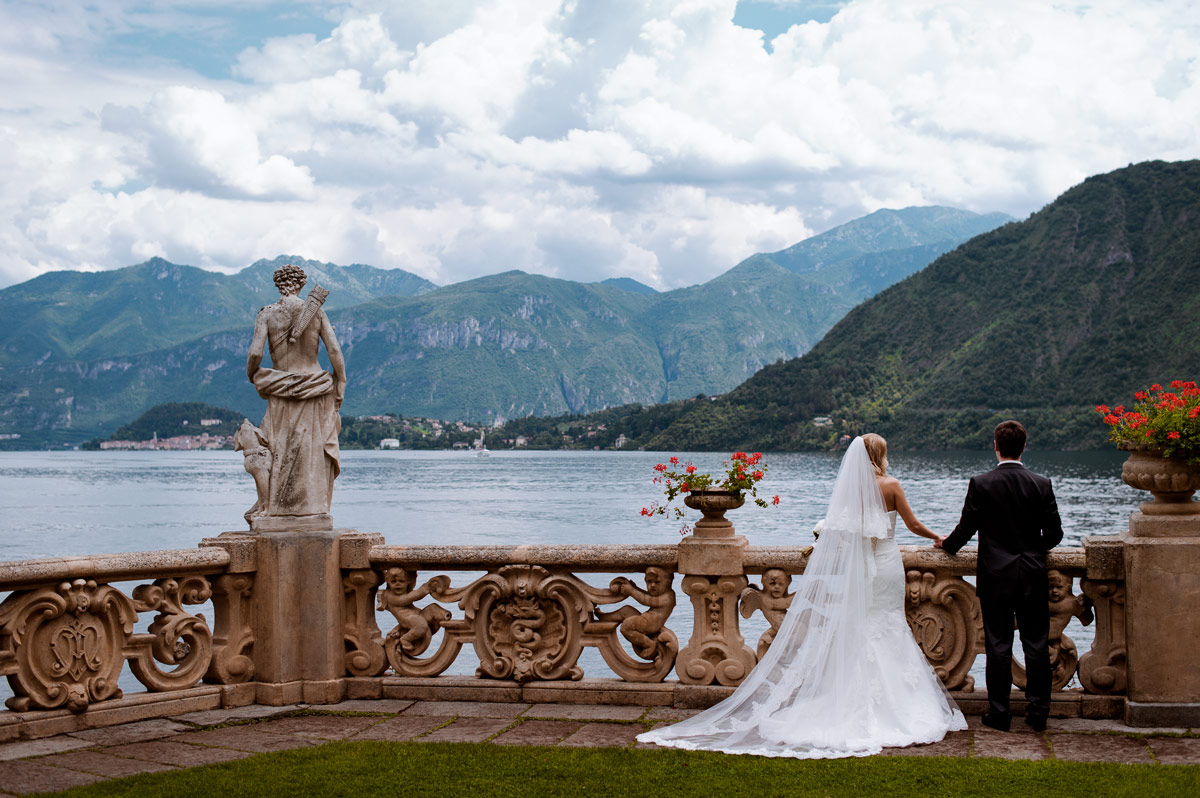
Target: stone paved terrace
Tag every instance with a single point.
(201, 738)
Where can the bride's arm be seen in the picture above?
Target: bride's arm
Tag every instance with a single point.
(910, 520)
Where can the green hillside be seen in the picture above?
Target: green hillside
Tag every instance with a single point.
(1094, 296)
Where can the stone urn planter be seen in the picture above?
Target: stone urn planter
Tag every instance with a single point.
(1171, 480)
(713, 504)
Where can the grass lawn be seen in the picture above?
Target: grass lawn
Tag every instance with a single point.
(452, 769)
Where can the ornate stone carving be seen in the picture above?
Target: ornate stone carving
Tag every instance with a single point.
(716, 651)
(528, 623)
(175, 637)
(645, 630)
(64, 645)
(943, 615)
(1064, 657)
(364, 648)
(233, 636)
(772, 600)
(1102, 670)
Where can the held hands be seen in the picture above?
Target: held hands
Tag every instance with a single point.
(937, 541)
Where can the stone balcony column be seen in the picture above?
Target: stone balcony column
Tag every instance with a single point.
(711, 561)
(1162, 625)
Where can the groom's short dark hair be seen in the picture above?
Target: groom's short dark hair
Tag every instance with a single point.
(1010, 438)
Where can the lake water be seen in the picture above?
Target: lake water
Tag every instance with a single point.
(64, 503)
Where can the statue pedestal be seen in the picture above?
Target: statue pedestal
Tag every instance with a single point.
(1162, 627)
(711, 562)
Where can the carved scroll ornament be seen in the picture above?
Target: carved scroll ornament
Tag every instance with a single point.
(65, 644)
(175, 637)
(716, 652)
(1102, 670)
(943, 615)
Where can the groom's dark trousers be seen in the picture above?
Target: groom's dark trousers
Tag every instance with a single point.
(1016, 516)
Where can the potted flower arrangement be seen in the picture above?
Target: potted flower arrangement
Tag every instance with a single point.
(1162, 434)
(711, 495)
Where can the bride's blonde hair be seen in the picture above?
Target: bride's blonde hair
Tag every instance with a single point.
(877, 451)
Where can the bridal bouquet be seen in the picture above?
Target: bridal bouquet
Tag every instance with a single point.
(742, 473)
(1167, 421)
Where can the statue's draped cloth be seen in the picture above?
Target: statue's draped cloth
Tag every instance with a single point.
(302, 424)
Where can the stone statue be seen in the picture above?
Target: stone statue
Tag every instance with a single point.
(772, 600)
(250, 441)
(415, 626)
(642, 629)
(302, 422)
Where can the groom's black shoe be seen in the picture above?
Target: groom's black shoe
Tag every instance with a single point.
(1036, 722)
(998, 722)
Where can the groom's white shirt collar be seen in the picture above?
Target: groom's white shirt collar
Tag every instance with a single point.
(1010, 462)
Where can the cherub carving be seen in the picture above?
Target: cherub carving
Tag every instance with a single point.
(642, 628)
(1064, 605)
(415, 626)
(772, 600)
(252, 443)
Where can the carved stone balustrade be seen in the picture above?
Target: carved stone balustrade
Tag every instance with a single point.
(528, 617)
(66, 631)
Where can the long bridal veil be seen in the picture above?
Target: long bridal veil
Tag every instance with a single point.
(809, 697)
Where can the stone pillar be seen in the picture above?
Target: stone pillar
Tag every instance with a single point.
(1162, 621)
(296, 609)
(711, 561)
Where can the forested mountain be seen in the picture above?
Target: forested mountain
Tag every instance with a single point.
(91, 351)
(1091, 298)
(80, 316)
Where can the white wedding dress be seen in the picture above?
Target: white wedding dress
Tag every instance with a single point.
(844, 676)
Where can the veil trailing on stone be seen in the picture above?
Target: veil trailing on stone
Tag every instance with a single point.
(808, 697)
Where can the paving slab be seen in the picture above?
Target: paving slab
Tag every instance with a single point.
(391, 706)
(25, 777)
(467, 709)
(132, 732)
(1106, 725)
(538, 732)
(671, 713)
(957, 743)
(103, 764)
(1176, 750)
(47, 745)
(212, 717)
(467, 730)
(400, 729)
(318, 727)
(604, 735)
(584, 712)
(243, 738)
(1100, 748)
(173, 753)
(999, 745)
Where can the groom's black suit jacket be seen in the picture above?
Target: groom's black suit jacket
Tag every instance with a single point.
(1015, 513)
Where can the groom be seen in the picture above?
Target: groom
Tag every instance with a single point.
(1014, 512)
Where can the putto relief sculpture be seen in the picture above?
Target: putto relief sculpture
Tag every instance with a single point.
(301, 425)
(772, 600)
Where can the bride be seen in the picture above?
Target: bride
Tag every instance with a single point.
(844, 676)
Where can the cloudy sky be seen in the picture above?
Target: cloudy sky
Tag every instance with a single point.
(663, 140)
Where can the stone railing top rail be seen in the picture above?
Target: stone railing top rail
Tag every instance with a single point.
(622, 557)
(596, 558)
(19, 574)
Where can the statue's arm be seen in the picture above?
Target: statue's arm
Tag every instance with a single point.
(254, 359)
(335, 358)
